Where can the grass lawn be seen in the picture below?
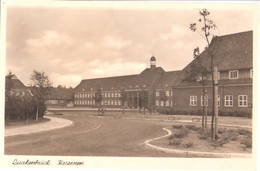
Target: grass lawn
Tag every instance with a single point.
(12, 124)
(194, 138)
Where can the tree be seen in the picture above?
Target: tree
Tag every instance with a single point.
(98, 99)
(163, 98)
(123, 99)
(198, 72)
(206, 31)
(40, 85)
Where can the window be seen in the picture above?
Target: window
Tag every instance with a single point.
(112, 102)
(157, 93)
(115, 102)
(206, 97)
(251, 73)
(105, 94)
(102, 103)
(228, 101)
(108, 94)
(242, 101)
(193, 100)
(233, 74)
(167, 93)
(108, 102)
(112, 94)
(162, 103)
(90, 102)
(119, 102)
(157, 103)
(115, 94)
(119, 94)
(167, 103)
(93, 102)
(105, 102)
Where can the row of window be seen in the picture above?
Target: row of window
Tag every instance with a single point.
(158, 93)
(91, 95)
(242, 101)
(233, 74)
(92, 102)
(17, 93)
(163, 103)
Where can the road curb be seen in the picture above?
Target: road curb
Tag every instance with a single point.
(188, 153)
(14, 132)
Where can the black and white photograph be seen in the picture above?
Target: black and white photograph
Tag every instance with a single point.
(134, 80)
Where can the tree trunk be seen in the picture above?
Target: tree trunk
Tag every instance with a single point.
(203, 105)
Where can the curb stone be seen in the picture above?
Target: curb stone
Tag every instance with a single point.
(193, 153)
(15, 131)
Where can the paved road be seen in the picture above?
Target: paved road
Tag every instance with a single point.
(91, 136)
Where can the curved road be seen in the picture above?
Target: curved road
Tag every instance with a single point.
(91, 136)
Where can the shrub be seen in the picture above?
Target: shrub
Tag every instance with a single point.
(181, 134)
(204, 133)
(244, 132)
(247, 142)
(188, 145)
(21, 107)
(175, 141)
(177, 126)
(223, 139)
(192, 127)
(236, 113)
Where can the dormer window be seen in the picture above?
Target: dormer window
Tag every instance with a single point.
(233, 74)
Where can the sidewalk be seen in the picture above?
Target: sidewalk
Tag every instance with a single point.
(54, 123)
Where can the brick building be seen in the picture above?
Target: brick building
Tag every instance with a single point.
(59, 97)
(155, 88)
(234, 59)
(14, 87)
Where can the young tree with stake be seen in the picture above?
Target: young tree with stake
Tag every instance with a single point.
(206, 31)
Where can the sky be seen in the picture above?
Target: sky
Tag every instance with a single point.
(71, 43)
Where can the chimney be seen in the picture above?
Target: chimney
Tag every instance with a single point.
(152, 62)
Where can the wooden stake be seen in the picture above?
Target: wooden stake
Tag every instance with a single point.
(216, 100)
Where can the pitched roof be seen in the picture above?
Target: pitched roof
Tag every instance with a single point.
(105, 84)
(167, 79)
(146, 79)
(12, 82)
(60, 93)
(234, 51)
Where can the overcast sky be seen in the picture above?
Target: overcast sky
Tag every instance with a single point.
(71, 44)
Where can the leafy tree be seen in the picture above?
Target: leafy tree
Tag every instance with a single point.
(40, 86)
(206, 31)
(98, 99)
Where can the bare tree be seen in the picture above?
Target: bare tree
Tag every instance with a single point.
(98, 99)
(206, 31)
(123, 99)
(198, 72)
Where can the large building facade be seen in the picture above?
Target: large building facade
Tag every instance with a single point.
(155, 88)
